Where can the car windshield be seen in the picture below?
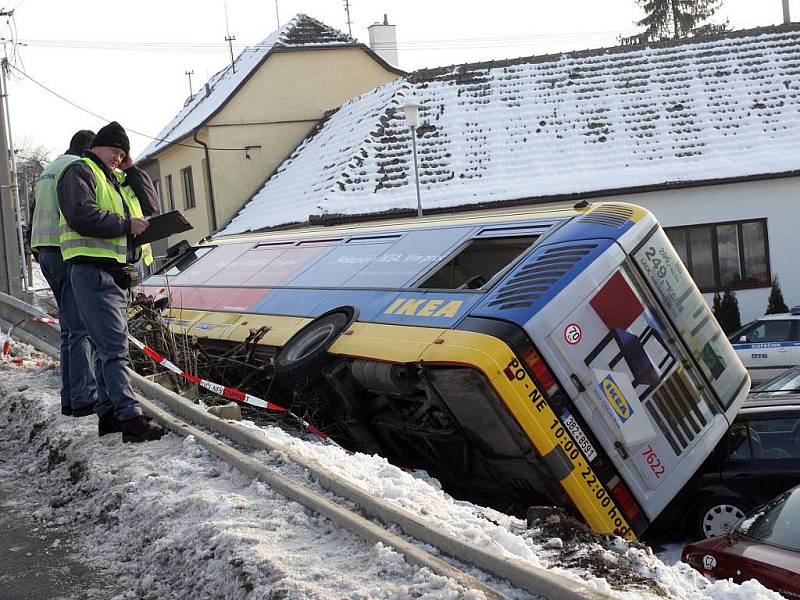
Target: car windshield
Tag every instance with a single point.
(777, 523)
(786, 382)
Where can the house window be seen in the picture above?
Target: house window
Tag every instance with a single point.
(159, 195)
(723, 256)
(188, 188)
(170, 192)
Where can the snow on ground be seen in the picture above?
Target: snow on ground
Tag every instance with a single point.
(39, 282)
(166, 519)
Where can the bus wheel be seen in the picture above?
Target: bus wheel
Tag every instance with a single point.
(716, 516)
(301, 361)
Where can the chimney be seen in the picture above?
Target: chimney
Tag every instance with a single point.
(786, 18)
(383, 41)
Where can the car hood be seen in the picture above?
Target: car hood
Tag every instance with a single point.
(740, 548)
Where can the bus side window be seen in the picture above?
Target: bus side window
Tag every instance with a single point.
(477, 262)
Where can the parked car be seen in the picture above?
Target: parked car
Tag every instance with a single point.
(757, 459)
(765, 547)
(769, 345)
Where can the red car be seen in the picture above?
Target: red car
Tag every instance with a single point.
(764, 547)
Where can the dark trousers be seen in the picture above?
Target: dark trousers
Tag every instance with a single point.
(104, 308)
(78, 390)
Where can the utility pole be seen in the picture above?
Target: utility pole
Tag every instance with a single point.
(349, 23)
(786, 17)
(189, 74)
(10, 264)
(229, 38)
(277, 15)
(15, 180)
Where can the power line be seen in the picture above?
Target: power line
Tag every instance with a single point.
(102, 118)
(450, 43)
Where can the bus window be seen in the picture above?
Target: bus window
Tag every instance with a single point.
(409, 258)
(477, 262)
(204, 270)
(185, 261)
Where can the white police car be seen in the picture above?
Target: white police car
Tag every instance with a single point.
(770, 345)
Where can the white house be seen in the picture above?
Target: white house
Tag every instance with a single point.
(705, 133)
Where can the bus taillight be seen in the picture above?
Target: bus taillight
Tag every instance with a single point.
(625, 500)
(540, 371)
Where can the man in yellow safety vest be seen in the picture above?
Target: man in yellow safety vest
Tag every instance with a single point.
(97, 234)
(77, 379)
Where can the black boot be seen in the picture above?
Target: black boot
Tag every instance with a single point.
(86, 411)
(139, 429)
(66, 410)
(108, 423)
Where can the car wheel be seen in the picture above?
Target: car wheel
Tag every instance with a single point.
(716, 516)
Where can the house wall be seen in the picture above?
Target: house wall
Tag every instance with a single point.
(171, 162)
(775, 199)
(275, 109)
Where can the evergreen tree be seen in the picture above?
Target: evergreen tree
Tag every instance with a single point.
(716, 306)
(728, 315)
(675, 19)
(776, 304)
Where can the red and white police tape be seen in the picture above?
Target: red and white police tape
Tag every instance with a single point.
(7, 343)
(221, 390)
(224, 390)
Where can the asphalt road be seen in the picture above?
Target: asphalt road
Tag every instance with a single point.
(36, 561)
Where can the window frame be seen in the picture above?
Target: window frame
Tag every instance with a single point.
(758, 323)
(170, 191)
(466, 244)
(715, 266)
(187, 181)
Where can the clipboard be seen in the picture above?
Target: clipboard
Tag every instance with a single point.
(162, 226)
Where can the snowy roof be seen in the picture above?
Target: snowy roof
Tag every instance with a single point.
(301, 31)
(538, 127)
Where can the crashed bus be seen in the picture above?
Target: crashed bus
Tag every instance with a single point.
(526, 356)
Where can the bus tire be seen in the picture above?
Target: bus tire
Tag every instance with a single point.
(302, 359)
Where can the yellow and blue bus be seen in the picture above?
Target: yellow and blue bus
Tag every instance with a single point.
(533, 355)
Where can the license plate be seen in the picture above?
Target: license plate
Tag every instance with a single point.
(577, 434)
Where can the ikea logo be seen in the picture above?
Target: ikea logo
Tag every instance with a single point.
(419, 307)
(616, 399)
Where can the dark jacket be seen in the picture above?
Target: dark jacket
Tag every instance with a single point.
(77, 199)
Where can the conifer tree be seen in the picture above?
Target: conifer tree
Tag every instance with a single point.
(717, 302)
(728, 315)
(776, 304)
(675, 19)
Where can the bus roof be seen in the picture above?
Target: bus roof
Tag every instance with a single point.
(555, 210)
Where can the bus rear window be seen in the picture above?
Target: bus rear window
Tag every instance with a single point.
(477, 262)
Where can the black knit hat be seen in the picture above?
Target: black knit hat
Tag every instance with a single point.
(112, 135)
(82, 140)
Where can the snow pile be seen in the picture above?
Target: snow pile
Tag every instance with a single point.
(545, 126)
(634, 570)
(166, 519)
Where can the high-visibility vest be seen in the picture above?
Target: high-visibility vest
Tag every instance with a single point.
(136, 212)
(109, 199)
(44, 225)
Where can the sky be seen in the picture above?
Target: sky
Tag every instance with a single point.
(130, 64)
